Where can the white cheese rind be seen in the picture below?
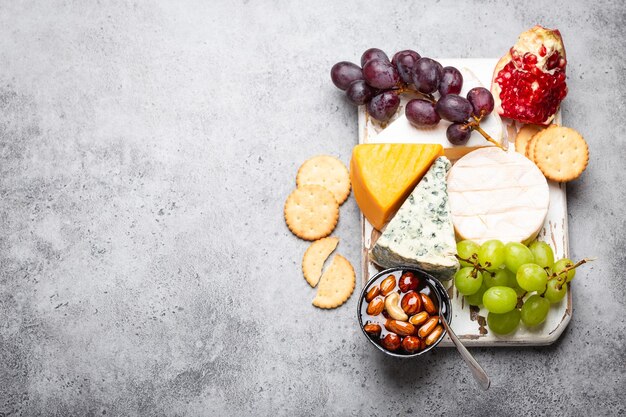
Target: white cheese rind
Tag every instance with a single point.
(421, 233)
(497, 195)
(402, 131)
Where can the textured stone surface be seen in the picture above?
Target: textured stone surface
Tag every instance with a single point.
(146, 149)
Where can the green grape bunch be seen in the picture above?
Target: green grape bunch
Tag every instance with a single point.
(499, 276)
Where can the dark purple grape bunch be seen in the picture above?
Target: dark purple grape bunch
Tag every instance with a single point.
(377, 83)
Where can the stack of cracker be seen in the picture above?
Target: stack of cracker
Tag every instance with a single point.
(559, 152)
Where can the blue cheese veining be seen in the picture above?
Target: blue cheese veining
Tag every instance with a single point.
(421, 234)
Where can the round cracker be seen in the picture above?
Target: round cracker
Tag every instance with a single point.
(311, 212)
(524, 135)
(314, 258)
(336, 285)
(328, 172)
(530, 149)
(561, 153)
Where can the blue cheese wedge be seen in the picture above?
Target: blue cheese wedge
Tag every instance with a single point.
(421, 234)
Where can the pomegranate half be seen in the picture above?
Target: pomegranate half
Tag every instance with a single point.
(529, 81)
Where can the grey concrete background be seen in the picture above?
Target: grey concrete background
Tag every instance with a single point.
(146, 149)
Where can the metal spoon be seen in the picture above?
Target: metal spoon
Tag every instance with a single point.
(478, 372)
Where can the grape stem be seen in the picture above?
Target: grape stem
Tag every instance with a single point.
(566, 270)
(477, 267)
(406, 88)
(520, 299)
(475, 125)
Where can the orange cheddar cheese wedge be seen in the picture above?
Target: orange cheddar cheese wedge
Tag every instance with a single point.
(383, 175)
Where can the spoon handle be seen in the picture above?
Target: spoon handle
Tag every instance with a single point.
(477, 371)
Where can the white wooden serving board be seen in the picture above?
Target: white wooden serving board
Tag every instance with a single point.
(469, 323)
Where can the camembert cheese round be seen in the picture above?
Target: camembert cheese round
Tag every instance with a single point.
(497, 195)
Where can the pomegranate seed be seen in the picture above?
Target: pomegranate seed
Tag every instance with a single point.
(542, 50)
(553, 61)
(530, 59)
